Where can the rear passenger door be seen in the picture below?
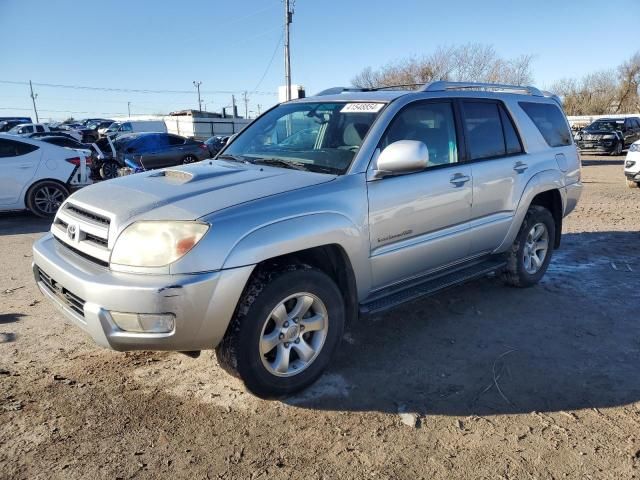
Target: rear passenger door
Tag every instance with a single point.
(499, 168)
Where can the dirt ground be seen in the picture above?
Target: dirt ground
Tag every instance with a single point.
(495, 382)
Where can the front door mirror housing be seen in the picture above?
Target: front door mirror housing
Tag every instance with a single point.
(403, 156)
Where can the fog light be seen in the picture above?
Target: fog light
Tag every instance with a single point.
(145, 322)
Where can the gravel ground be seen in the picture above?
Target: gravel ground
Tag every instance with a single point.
(483, 381)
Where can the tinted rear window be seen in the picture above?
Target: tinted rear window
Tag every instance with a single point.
(550, 122)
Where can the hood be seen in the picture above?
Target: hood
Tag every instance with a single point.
(191, 191)
(599, 132)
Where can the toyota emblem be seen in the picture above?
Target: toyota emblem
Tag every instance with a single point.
(71, 231)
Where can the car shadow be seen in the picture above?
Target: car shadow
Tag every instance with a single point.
(595, 162)
(16, 223)
(10, 317)
(570, 342)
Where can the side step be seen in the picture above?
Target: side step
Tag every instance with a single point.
(393, 296)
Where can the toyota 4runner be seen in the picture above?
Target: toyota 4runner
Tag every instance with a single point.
(346, 203)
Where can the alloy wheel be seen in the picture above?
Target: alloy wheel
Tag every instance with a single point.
(293, 334)
(536, 248)
(48, 199)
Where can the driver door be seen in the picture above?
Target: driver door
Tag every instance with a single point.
(418, 221)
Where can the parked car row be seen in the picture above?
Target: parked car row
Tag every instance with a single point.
(44, 163)
(38, 175)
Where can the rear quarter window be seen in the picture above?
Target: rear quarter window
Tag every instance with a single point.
(550, 122)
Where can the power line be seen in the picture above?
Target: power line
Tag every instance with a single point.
(273, 56)
(128, 90)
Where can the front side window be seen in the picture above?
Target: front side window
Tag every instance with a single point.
(431, 123)
(39, 128)
(322, 137)
(551, 123)
(126, 127)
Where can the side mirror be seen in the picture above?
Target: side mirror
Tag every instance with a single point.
(403, 156)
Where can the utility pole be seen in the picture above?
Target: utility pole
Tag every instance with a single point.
(129, 108)
(288, 18)
(197, 85)
(246, 104)
(33, 99)
(259, 107)
(233, 106)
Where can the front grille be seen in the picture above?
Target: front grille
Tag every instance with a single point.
(97, 240)
(83, 231)
(87, 214)
(71, 300)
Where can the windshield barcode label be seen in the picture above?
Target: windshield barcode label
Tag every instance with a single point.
(362, 108)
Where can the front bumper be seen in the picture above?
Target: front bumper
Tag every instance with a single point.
(597, 146)
(86, 293)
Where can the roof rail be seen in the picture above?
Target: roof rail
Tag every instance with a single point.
(442, 86)
(339, 90)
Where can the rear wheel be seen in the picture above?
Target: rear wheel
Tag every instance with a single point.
(109, 170)
(531, 251)
(189, 159)
(44, 198)
(286, 328)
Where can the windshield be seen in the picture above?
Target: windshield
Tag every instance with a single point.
(321, 137)
(606, 125)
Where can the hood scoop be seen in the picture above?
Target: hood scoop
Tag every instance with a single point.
(180, 177)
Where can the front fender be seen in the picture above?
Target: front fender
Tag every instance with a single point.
(540, 182)
(303, 232)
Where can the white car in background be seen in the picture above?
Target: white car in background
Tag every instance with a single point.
(29, 128)
(25, 129)
(39, 176)
(632, 165)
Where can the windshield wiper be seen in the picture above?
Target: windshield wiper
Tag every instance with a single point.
(276, 162)
(234, 158)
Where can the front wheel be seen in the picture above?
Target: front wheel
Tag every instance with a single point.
(618, 150)
(286, 328)
(632, 184)
(189, 159)
(531, 251)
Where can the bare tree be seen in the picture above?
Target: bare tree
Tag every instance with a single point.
(469, 62)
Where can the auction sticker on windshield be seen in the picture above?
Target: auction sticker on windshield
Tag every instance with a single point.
(362, 108)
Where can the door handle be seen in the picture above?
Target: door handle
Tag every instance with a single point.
(24, 166)
(520, 167)
(459, 179)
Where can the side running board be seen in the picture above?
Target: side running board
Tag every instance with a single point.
(393, 296)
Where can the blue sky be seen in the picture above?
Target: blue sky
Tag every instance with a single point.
(165, 45)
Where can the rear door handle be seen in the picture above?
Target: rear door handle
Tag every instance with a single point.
(24, 166)
(459, 179)
(520, 167)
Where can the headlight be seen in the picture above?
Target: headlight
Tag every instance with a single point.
(608, 137)
(635, 147)
(156, 244)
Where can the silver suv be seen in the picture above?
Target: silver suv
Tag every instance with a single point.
(324, 208)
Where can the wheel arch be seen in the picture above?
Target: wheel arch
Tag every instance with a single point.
(544, 189)
(28, 189)
(327, 241)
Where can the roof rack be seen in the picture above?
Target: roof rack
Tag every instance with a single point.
(339, 90)
(442, 86)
